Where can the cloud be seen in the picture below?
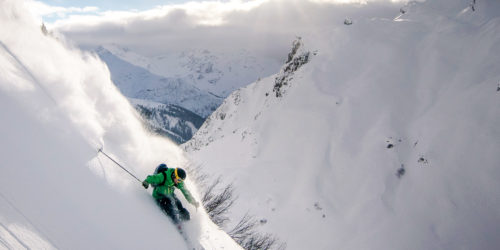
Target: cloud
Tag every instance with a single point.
(356, 1)
(40, 9)
(266, 27)
(202, 13)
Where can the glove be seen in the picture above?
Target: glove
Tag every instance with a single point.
(145, 184)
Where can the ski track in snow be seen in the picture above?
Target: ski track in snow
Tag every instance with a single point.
(40, 235)
(9, 243)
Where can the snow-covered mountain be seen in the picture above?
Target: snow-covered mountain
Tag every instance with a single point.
(137, 82)
(219, 73)
(381, 134)
(184, 82)
(174, 122)
(58, 106)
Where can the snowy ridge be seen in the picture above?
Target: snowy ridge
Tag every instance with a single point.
(388, 138)
(56, 192)
(230, 107)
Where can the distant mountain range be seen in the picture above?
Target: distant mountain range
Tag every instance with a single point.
(215, 72)
(184, 87)
(172, 121)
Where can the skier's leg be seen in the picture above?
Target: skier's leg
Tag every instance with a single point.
(183, 212)
(166, 204)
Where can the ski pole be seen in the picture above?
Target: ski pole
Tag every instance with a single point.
(100, 151)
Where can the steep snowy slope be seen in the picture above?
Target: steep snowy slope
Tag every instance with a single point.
(58, 106)
(387, 138)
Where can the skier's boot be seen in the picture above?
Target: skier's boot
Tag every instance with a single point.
(184, 214)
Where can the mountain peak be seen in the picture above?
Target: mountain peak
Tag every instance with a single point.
(296, 58)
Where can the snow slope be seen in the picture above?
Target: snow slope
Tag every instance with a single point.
(58, 106)
(387, 138)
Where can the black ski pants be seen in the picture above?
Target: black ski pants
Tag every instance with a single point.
(173, 208)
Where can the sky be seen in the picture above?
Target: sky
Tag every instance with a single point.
(112, 4)
(62, 8)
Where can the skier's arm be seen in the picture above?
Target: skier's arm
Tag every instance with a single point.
(154, 179)
(187, 194)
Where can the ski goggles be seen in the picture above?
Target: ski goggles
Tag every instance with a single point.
(179, 179)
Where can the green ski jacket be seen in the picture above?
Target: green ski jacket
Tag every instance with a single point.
(168, 188)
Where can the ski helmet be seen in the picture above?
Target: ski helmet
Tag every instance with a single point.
(180, 173)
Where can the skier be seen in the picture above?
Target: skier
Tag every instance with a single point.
(164, 181)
